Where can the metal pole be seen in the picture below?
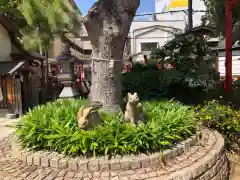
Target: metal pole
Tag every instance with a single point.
(228, 62)
(190, 14)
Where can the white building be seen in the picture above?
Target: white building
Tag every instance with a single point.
(149, 34)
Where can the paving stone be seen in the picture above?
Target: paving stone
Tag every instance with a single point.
(126, 173)
(63, 164)
(123, 178)
(37, 160)
(30, 159)
(82, 165)
(145, 162)
(104, 165)
(135, 165)
(89, 175)
(115, 178)
(21, 170)
(115, 165)
(34, 174)
(125, 165)
(52, 175)
(96, 174)
(69, 174)
(211, 165)
(93, 166)
(24, 157)
(79, 175)
(59, 178)
(62, 173)
(73, 164)
(105, 174)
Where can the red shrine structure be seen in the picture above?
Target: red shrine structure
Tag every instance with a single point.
(229, 6)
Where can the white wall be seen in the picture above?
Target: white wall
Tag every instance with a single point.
(85, 44)
(235, 63)
(5, 45)
(162, 36)
(198, 5)
(141, 24)
(158, 34)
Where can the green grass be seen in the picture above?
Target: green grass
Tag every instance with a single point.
(53, 127)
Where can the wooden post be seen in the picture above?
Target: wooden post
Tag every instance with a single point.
(228, 62)
(190, 14)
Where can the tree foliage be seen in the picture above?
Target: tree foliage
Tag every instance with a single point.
(40, 21)
(190, 55)
(10, 7)
(215, 16)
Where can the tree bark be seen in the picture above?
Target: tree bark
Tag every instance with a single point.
(108, 23)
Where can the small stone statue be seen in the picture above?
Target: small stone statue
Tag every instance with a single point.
(88, 118)
(133, 112)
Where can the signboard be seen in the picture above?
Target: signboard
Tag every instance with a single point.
(163, 6)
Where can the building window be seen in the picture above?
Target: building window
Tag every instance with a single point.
(148, 46)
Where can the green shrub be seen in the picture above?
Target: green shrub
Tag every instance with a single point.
(151, 83)
(148, 81)
(232, 98)
(53, 127)
(223, 118)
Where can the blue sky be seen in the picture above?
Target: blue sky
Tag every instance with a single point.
(145, 6)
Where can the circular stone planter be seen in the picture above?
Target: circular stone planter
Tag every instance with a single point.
(189, 160)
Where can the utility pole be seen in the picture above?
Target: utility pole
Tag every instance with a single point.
(190, 14)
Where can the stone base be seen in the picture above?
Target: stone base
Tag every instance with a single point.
(190, 160)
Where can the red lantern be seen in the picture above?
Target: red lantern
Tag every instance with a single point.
(127, 68)
(81, 72)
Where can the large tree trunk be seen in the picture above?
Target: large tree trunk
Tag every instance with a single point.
(108, 23)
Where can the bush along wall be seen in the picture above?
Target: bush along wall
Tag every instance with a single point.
(224, 119)
(193, 78)
(151, 83)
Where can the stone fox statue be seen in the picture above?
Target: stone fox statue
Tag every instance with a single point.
(133, 112)
(88, 118)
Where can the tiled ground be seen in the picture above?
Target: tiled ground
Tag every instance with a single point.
(32, 172)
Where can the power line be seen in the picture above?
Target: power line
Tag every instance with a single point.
(159, 37)
(171, 12)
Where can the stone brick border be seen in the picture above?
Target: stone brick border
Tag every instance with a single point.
(204, 160)
(79, 164)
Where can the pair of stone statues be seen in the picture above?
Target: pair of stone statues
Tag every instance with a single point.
(88, 118)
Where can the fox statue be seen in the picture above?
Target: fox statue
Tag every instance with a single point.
(133, 112)
(88, 118)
